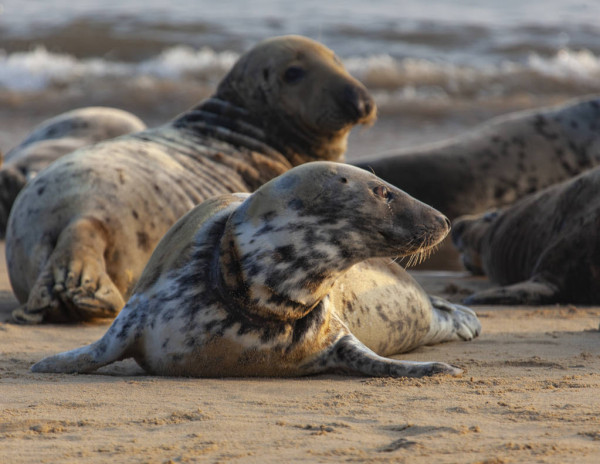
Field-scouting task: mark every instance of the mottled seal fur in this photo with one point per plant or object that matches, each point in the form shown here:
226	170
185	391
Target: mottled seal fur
82	231
543	249
54	138
499	162
271	284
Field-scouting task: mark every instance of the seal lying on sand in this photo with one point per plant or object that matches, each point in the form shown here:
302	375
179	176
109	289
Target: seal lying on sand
82	231
543	249
499	162
54	138
267	285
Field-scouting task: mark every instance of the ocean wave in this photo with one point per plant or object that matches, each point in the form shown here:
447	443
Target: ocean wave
408	78
39	68
418	78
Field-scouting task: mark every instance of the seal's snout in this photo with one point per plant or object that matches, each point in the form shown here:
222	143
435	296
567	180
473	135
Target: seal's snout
467	234
457	232
357	102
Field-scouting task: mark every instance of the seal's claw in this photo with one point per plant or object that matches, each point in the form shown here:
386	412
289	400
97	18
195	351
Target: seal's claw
438	368
452	322
95	295
22	316
525	293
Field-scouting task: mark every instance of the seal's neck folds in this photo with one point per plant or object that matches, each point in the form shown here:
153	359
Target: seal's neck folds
264	270
262	131
228	122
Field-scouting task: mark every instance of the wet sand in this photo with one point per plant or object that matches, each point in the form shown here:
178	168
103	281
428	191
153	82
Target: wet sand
530	393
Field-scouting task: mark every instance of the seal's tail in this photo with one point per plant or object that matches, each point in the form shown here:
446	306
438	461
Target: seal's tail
451	322
350	355
113	346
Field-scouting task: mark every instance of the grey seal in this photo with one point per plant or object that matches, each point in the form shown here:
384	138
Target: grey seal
543	249
288	281
54	138
500	161
82	231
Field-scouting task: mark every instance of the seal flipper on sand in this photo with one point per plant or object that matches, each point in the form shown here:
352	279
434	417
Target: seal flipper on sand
74	284
117	343
451	322
530	292
349	355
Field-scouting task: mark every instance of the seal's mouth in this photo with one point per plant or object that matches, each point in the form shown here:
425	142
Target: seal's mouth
418	249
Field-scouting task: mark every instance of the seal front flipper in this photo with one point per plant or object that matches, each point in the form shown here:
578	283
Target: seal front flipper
349	355
529	292
451	322
74	284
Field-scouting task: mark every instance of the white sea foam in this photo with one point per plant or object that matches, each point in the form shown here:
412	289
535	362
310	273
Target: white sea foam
409	78
39	68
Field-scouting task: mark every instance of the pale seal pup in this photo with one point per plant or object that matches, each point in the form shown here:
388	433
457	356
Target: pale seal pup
82	231
543	249
271	284
500	161
54	138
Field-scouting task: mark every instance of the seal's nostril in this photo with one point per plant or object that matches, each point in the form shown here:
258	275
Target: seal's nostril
358	101
367	105
444	220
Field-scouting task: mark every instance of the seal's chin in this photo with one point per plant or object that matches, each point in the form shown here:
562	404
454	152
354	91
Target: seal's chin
417	257
416	250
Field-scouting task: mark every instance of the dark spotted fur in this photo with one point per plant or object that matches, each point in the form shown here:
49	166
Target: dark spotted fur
229	307
499	162
543	249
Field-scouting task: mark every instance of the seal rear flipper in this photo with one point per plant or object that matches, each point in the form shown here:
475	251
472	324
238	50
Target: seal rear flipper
451	322
350	355
529	292
116	344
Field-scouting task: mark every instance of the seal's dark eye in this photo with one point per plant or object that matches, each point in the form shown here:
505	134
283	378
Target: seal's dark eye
343	180
293	74
382	192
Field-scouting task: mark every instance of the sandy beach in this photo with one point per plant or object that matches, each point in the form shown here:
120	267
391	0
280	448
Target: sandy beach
530	393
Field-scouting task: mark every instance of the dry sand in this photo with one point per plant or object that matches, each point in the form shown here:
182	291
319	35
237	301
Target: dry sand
530	393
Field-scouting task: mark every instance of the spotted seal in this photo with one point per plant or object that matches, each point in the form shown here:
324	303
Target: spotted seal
54	138
285	282
82	231
499	162
543	249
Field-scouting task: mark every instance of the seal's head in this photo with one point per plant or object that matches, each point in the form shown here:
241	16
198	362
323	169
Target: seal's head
468	233
295	235
300	91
